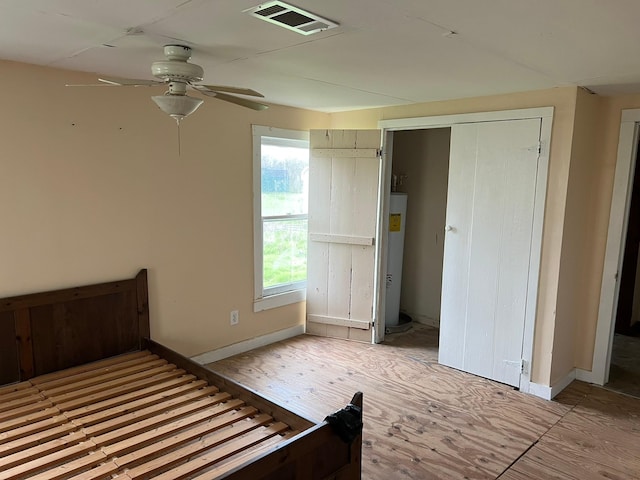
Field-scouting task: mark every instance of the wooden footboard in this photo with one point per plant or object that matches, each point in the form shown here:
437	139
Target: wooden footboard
313	454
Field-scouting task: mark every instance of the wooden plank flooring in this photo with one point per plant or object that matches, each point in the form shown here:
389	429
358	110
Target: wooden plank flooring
427	421
134	416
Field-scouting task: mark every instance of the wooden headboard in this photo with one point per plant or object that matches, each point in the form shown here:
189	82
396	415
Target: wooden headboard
48	331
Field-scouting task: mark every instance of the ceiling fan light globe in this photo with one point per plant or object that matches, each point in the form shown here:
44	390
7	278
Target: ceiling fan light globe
177	106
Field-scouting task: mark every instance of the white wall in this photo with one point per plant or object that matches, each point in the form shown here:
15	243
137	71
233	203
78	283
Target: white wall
423	156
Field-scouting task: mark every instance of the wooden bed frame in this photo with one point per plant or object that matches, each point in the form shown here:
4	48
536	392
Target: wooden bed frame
50	340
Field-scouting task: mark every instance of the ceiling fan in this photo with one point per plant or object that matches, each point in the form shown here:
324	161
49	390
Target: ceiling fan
179	75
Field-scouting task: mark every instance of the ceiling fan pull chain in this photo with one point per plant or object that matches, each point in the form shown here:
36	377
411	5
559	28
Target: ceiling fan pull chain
179	146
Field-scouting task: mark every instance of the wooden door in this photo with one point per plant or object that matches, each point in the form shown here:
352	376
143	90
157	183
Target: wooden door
344	171
491	194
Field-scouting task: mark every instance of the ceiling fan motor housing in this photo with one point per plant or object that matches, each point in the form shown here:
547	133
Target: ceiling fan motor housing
177	68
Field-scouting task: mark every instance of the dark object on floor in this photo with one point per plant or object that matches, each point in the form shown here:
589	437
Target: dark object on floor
347	422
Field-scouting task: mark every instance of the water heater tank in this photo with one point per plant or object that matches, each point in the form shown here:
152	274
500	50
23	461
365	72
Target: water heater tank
397	221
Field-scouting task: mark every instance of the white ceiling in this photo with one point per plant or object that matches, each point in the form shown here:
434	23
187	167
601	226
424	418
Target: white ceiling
385	52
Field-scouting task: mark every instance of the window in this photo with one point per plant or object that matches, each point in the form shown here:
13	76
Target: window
280	181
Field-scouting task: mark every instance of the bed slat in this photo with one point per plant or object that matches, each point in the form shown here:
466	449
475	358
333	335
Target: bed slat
117	386
215	455
100	472
110	374
185	391
48	462
58	429
10	404
244	456
225	437
28	419
40	450
74	466
68	375
175	433
38	404
119	392
15	388
160	420
162	412
122	399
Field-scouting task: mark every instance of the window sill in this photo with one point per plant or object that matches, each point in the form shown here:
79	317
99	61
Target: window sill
279	300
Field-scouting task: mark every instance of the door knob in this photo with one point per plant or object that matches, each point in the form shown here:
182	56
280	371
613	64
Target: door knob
448	228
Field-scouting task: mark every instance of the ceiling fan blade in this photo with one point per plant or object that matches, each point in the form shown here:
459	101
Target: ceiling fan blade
237	100
237	90
129	82
91	85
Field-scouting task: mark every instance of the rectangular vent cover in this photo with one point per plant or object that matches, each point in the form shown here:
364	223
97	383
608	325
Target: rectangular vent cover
290	17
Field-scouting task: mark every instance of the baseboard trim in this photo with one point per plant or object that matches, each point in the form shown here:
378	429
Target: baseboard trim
542	391
588	376
245	346
424	320
547	392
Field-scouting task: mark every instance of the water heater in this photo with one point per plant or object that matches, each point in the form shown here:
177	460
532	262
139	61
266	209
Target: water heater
397	221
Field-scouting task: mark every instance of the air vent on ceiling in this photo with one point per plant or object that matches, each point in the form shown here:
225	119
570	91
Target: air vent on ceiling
291	18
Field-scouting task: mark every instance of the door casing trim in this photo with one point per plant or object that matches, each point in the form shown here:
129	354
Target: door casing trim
614	253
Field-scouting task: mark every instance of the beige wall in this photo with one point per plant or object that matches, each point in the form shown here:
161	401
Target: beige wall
582	245
423	156
564	102
92	188
610	112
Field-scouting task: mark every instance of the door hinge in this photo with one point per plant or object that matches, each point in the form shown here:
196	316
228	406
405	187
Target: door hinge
379	152
522	365
539	147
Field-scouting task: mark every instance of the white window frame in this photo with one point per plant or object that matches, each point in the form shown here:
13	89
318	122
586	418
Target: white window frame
291	293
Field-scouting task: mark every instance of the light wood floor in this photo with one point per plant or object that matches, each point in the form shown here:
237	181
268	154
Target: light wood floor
426	421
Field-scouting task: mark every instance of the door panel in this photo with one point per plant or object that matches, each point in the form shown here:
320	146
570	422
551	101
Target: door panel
492	180
343	199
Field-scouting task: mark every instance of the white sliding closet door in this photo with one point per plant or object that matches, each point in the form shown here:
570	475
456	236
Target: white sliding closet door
491	196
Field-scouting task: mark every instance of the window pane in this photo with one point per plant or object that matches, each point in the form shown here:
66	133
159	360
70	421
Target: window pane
284	251
284	178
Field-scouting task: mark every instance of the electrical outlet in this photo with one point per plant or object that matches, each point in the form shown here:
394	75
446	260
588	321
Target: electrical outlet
234	317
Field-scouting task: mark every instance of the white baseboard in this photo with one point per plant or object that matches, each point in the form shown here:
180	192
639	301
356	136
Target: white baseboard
542	391
563	383
241	347
547	392
589	377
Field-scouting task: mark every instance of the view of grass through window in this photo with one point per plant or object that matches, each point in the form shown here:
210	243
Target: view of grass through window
284	182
